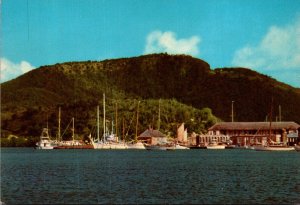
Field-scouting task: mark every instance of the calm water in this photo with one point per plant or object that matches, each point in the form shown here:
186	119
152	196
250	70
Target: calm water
145	177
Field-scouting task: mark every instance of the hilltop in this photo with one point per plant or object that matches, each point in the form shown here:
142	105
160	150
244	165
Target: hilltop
186	83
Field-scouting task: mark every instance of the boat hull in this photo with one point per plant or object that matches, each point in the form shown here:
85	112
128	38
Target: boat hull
74	147
110	146
44	147
297	148
155	147
137	145
177	147
215	147
274	148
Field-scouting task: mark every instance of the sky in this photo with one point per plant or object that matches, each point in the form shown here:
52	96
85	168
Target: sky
263	35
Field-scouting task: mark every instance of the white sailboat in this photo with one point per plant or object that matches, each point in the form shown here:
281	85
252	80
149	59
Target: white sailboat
136	144
108	140
181	138
73	144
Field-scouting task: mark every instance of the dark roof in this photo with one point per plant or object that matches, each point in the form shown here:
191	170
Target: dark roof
152	133
254	126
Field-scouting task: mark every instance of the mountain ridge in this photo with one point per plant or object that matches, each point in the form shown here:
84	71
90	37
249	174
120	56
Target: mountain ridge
185	79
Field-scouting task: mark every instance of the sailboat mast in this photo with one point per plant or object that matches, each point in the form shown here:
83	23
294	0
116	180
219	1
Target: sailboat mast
98	123
59	124
279	113
73	129
117	121
123	130
137	122
104	123
271	119
158	126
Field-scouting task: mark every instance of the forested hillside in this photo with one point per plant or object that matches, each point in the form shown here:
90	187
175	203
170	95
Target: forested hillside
190	92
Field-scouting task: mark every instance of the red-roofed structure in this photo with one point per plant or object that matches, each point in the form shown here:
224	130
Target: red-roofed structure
245	133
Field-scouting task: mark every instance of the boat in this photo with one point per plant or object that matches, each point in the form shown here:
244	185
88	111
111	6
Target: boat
270	145
176	146
137	145
73	144
273	148
156	147
180	140
297	148
214	145
45	141
108	141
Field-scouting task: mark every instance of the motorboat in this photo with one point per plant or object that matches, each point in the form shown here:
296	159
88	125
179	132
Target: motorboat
214	145
45	141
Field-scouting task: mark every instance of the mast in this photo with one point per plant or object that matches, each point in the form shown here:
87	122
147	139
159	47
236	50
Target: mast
279	113
73	128
158	126
123	130
98	124
47	122
137	122
104	123
59	124
271	119
232	111
117	121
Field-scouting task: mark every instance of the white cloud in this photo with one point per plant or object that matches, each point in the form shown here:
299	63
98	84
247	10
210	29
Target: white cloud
158	42
10	70
278	50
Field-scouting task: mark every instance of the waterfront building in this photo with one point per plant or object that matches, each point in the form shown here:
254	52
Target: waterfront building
152	137
248	133
202	140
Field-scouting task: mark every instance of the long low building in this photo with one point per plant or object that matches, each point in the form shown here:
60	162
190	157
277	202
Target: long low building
246	133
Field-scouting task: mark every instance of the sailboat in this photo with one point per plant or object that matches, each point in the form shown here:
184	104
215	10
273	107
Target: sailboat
136	144
271	145
108	141
162	145
73	144
181	140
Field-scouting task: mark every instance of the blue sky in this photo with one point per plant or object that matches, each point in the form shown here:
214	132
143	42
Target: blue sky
261	35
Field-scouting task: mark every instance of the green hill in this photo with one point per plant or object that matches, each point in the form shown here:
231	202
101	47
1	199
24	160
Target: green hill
186	85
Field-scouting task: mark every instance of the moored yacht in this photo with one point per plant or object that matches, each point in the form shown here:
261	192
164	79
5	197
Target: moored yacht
273	148
45	141
214	145
108	141
156	147
137	145
177	147
73	144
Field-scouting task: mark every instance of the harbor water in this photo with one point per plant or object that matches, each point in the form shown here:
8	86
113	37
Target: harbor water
30	176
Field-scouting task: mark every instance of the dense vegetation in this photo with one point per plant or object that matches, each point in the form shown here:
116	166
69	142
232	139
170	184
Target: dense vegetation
186	86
